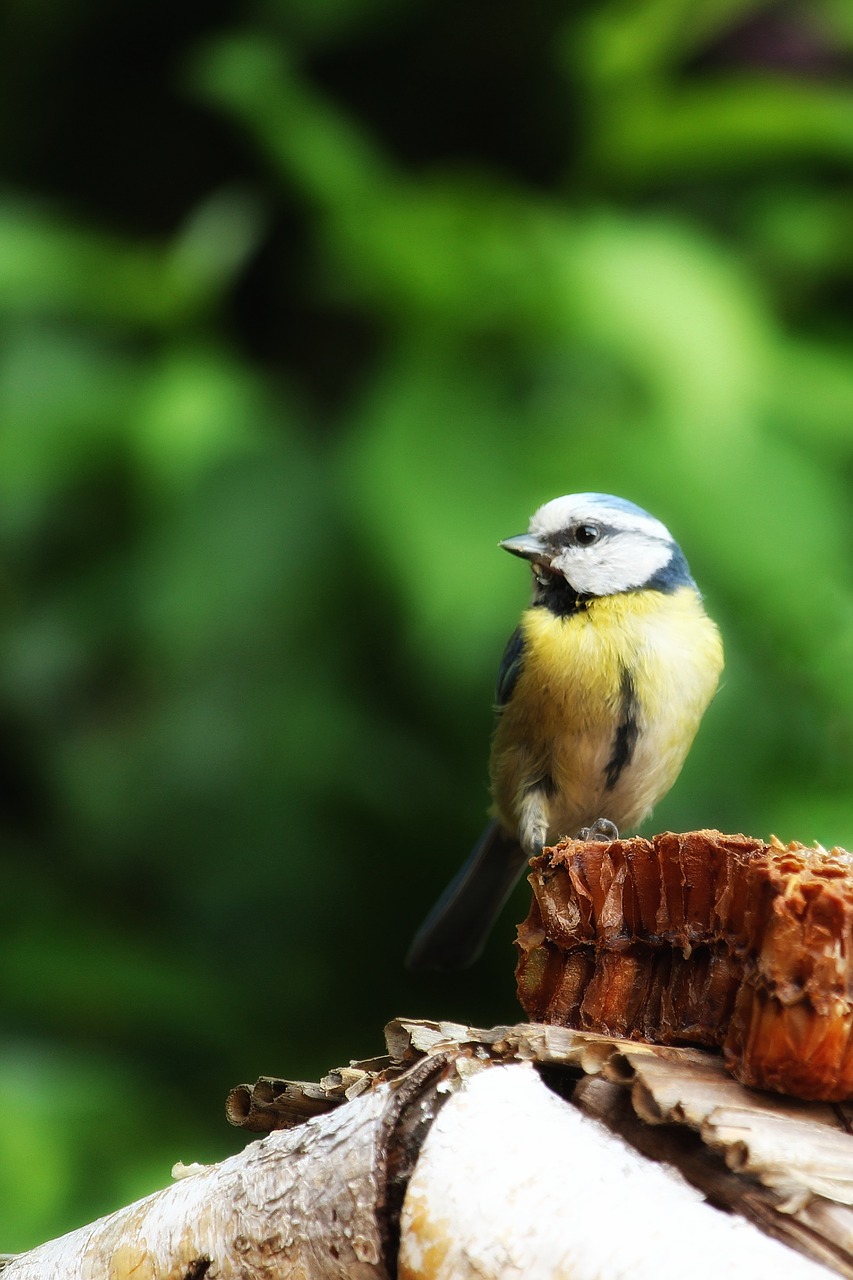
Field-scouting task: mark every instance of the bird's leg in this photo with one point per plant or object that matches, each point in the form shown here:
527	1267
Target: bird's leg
533	822
602	829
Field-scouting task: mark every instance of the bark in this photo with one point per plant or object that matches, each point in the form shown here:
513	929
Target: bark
313	1202
256	1214
530	1150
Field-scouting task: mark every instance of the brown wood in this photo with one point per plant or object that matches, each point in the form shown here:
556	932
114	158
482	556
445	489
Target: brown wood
700	938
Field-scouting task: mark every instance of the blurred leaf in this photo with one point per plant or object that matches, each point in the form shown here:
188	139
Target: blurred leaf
812	398
255	81
50	268
214	245
199	409
621	42
81	1113
62	396
724	126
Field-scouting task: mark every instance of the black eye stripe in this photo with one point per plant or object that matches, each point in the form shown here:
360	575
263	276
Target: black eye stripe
567	537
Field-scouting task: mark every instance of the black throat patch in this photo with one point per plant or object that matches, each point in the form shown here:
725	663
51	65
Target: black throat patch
556	595
626	733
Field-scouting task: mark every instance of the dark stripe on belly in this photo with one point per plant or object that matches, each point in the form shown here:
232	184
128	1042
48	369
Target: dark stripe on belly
626	734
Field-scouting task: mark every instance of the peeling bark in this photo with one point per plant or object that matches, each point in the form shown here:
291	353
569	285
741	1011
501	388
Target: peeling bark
298	1203
465	1152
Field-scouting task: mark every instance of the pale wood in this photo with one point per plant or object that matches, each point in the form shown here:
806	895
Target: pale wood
785	1164
301	1203
799	1148
323	1199
515	1183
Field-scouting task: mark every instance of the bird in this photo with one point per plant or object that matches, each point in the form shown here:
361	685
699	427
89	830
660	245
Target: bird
600	694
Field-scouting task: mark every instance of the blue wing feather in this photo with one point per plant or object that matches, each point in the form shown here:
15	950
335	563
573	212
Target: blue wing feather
510	668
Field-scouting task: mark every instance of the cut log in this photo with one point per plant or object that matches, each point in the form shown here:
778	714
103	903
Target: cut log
513	1182
700	938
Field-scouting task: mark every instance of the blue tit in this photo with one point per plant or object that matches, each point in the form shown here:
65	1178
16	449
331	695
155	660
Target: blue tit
600	693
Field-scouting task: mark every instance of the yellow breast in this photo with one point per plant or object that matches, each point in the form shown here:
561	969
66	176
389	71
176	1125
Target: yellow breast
629	677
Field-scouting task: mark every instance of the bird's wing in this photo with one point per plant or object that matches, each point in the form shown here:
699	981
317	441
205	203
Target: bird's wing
510	668
455	931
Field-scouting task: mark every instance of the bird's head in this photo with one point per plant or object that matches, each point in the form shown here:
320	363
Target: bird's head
585	545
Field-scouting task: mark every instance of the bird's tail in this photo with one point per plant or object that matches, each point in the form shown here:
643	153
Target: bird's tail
455	931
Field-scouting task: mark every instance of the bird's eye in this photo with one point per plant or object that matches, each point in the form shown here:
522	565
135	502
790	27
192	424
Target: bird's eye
586	534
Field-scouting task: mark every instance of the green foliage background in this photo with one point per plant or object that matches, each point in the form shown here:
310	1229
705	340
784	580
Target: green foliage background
304	304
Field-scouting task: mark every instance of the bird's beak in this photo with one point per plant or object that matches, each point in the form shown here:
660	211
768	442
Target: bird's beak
529	547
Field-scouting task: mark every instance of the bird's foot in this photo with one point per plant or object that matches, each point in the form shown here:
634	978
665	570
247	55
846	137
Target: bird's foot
601	829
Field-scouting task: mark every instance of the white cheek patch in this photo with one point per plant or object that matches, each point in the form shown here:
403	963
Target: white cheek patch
615	564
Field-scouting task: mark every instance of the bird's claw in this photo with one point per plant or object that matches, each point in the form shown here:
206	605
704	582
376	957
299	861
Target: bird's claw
602	829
